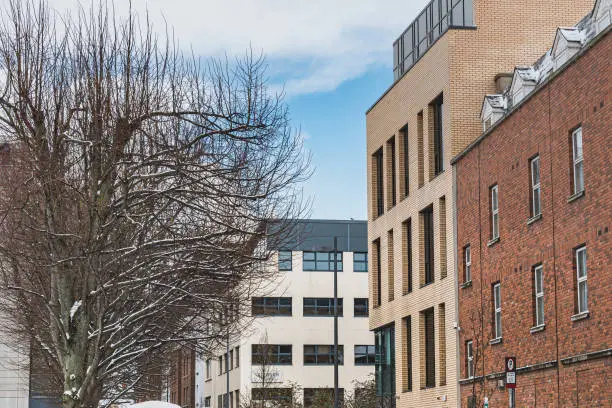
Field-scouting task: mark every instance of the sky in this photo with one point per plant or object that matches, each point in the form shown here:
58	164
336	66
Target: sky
332	57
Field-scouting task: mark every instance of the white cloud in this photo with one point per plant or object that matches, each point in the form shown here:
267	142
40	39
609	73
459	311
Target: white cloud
315	45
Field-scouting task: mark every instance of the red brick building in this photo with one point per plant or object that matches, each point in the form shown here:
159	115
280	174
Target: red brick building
182	378
534	214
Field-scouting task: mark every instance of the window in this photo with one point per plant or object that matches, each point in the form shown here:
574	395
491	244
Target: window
360	307
442	343
321	307
407	386
428	245
208	364
220	365
437	109
467	263
378	190
321	397
469	359
442	235
538	289
231	359
207	401
577	167
271	306
322	354
385	361
237	394
534	165
271	354
494	213
378	281
360	261
365	355
220	401
421	150
391	174
321	261
231	399
407	252
430	350
581	279
405	161
284	260
497	329
271	394
237	356
390	267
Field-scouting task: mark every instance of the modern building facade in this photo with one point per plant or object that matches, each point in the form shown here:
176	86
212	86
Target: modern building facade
14	376
533	218
444	63
291	338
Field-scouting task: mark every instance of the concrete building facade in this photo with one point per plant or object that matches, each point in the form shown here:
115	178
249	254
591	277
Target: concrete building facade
445	61
533	220
291	337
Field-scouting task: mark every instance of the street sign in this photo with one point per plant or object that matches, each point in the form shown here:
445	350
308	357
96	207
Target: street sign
510	372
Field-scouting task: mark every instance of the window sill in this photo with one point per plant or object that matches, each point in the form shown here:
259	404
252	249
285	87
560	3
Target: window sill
575	197
534	219
537	329
466	285
425	285
580	316
493	242
495	341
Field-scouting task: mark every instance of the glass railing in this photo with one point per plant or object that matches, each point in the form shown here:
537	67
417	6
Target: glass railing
437	17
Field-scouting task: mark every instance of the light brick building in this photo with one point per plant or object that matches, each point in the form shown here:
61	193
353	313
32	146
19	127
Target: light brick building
533	220
445	62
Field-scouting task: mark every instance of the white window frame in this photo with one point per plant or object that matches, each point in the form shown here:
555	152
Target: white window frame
495	212
467	255
469	354
581	279
539	294
498	309
577	160
535	187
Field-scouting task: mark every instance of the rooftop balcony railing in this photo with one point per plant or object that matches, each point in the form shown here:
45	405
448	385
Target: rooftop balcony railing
436	19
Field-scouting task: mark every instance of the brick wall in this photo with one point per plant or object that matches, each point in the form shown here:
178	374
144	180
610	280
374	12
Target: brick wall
579	96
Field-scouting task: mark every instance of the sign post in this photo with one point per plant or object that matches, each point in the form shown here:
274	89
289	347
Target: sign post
510	368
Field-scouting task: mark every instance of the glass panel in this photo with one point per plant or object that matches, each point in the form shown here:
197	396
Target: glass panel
540	310
535	171
581	262
309	265
309	256
497	297
578	144
468	13
457	13
582	297
578	177
538	280
536	202
498	327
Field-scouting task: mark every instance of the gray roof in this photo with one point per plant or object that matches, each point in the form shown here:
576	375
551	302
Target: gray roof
318	235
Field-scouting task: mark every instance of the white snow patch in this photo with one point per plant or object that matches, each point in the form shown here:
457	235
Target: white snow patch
72	377
74	308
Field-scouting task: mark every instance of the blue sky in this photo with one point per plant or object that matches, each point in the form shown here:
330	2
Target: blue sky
332	57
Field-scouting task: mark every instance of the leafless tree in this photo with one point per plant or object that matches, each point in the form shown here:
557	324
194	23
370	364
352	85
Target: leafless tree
135	199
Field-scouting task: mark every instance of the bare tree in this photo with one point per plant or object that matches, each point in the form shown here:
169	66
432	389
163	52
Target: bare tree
136	197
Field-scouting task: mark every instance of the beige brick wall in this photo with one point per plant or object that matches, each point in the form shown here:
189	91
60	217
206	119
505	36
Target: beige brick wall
461	65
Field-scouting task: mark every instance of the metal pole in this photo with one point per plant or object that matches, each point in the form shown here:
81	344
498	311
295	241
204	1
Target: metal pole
511	398
336	396
227	365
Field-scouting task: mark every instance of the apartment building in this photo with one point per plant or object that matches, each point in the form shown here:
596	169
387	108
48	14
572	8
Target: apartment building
444	62
291	337
533	222
14	376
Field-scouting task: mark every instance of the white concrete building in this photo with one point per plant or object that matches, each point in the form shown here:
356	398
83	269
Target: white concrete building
14	373
294	323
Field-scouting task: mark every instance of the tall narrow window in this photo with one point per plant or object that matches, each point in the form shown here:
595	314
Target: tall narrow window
390	267
407	377
407	256
378	190
535	186
442	235
438	135
378	282
404	162
581	279
442	342
469	359
391	174
467	263
421	150
538	289
494	212
577	168
497	332
284	260
427	245
428	359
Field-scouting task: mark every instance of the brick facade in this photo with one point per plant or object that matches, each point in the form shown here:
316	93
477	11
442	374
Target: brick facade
460	66
567	362
182	378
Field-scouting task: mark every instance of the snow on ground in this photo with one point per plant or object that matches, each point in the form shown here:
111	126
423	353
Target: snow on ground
153	404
